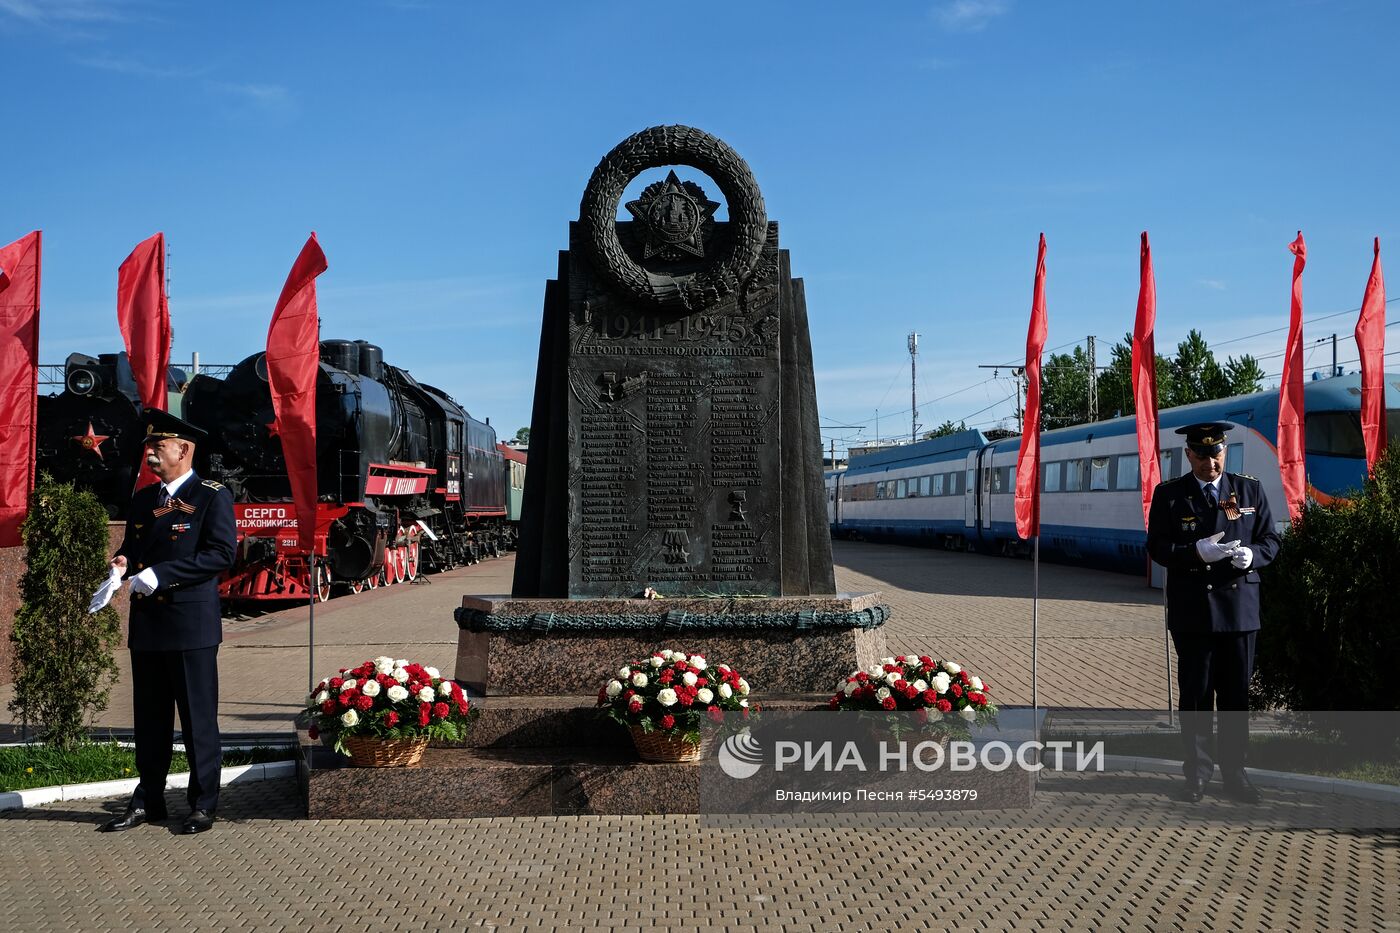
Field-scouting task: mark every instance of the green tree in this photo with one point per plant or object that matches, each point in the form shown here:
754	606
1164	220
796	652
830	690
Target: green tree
522	437
63	667
945	429
1116	381
1244	375
1064	389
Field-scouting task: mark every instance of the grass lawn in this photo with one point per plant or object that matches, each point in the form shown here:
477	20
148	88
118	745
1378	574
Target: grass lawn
1299	754
27	766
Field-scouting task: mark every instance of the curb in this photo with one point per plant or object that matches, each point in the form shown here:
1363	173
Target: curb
1315	783
240	774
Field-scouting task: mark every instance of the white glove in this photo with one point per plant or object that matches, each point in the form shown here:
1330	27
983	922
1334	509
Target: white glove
1211	550
144	582
1242	558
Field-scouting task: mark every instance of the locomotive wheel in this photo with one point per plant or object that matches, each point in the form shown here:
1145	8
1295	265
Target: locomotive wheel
323	584
357	586
374	579
389	574
400	564
413	560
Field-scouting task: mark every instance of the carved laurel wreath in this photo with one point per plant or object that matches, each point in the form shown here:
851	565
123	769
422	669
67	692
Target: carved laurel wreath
674	145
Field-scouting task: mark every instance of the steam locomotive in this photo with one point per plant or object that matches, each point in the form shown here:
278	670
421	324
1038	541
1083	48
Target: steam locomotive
408	481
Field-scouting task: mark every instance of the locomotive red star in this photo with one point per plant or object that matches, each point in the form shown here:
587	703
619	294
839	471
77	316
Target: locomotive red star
91	441
674	214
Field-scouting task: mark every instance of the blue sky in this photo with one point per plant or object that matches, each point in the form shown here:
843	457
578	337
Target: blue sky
910	151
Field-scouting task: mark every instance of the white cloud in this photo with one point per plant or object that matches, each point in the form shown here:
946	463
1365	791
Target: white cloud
969	15
64	11
1215	284
129	66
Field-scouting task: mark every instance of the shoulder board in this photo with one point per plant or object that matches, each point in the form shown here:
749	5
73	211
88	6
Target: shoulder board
211	484
1247	476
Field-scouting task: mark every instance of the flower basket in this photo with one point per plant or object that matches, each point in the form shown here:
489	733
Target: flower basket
945	700
370	752
664	700
661	746
383	713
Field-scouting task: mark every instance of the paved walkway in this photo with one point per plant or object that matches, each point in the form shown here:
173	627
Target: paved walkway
1122	857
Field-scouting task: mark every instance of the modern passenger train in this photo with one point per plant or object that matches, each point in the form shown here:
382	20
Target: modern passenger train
958	491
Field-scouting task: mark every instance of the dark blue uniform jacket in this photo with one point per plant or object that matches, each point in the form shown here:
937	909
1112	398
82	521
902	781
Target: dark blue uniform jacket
188	547
1212	597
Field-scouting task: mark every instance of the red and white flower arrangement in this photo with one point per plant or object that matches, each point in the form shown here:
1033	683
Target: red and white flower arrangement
388	699
935	691
671	692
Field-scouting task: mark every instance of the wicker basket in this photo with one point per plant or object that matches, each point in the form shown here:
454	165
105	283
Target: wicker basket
658	746
366	751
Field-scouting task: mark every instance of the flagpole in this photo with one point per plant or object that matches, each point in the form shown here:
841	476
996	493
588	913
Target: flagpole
311	625
1167	651
1035	632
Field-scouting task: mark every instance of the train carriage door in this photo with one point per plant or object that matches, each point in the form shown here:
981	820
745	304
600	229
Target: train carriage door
969	491
836	494
984	487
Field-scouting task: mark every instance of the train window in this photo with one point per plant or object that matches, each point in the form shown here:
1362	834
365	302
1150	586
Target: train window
938	484
968	480
996	480
1169	459
925	485
1334	433
1052	476
1128	472
880	489
1074	475
901	490
1234	458
1098	473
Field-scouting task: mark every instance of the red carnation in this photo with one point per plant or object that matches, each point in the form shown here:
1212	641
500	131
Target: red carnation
887	702
364	704
425	713
930	696
702	682
899	658
668	721
391	719
944	706
962	676
665	678
834	704
635	705
628	694
892	669
602	696
336	682
956	690
716	714
347	698
440	710
921	715
462	704
862	676
329	707
313	733
684	699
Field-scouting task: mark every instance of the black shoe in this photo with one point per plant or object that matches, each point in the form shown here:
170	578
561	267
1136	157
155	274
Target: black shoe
197	822
131	818
1193	792
1242	791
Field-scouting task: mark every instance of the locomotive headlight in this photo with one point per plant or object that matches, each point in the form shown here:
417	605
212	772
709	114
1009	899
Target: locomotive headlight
81	381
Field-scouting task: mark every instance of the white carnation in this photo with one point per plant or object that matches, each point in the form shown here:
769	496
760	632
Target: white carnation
679	656
744	703
384	664
697	661
614	687
349	717
348	685
667	697
689	679
743	687
705	695
432	672
325	682
725	691
951	668
639	679
426	695
934	716
722	668
875	671
399	674
397	694
657	661
666	654
969	714
893	677
883	693
322	697
848	689
371	688
401	662
921	685
941	682
884	661
624	673
445	688
977	683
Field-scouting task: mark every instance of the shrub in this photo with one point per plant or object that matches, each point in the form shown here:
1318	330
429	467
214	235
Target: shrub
1330	610
63	667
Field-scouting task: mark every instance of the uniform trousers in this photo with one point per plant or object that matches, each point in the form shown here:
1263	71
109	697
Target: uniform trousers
1213	672
163	682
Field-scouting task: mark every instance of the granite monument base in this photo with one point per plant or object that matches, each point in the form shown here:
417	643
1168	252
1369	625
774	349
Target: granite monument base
798	644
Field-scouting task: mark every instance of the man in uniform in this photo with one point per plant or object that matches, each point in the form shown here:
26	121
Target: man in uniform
179	538
1212	530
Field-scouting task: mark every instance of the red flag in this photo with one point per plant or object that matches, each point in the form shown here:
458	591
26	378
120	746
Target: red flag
293	354
19	380
143	314
1370	340
1028	460
1145	380
1290	393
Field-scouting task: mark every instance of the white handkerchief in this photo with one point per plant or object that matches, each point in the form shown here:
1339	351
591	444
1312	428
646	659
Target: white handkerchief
104	593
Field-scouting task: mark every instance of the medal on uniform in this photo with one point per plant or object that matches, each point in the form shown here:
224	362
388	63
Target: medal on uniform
1231	507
